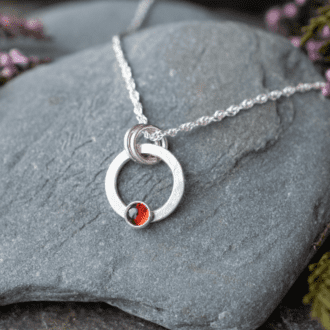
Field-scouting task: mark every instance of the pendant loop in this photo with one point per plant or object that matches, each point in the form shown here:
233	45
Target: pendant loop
131	212
133	149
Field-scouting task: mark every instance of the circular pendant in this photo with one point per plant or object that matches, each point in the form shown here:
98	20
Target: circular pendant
138	214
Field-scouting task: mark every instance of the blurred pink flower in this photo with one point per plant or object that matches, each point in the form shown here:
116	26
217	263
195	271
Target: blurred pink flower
313	45
18	58
34	28
300	2
11	24
6	21
272	18
9	71
5	60
326	89
290	10
326	32
327	75
295	41
34	24
314	56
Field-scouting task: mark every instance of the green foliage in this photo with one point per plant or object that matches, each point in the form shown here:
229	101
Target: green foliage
316	24
325	51
319	280
319	291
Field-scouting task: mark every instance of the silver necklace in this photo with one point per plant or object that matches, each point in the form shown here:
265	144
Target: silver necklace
138	214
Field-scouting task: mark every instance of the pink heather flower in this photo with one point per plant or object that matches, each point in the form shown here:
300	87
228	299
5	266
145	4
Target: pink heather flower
34	28
326	32
18	57
326	89
327	75
290	10
9	71
314	56
300	2
313	45
6	21
11	24
272	18
295	41
5	60
34	24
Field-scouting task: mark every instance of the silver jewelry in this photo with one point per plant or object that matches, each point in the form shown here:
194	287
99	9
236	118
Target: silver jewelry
138	214
142	220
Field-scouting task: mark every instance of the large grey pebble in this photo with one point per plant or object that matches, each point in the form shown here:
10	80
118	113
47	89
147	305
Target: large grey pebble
257	184
78	25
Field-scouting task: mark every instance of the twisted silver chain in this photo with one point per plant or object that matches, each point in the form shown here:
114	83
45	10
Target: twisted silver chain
140	15
233	110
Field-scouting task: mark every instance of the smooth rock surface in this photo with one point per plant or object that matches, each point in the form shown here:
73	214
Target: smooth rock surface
257	184
78	25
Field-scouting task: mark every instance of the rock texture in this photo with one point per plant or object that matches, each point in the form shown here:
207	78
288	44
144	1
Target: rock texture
71	316
257	184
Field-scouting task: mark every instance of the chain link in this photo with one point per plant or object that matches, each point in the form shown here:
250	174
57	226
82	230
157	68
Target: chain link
130	84
202	121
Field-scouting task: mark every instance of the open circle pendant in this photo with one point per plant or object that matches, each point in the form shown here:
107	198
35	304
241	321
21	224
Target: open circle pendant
138	214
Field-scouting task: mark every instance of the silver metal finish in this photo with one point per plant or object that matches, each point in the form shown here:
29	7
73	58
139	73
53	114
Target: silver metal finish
140	15
130	84
178	181
234	109
133	149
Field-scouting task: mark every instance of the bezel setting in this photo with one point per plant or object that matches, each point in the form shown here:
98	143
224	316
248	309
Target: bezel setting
138	205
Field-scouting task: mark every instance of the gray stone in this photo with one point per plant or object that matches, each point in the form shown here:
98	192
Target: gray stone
75	26
80	25
257	184
71	315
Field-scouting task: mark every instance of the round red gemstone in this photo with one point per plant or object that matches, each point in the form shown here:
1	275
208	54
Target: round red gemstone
138	214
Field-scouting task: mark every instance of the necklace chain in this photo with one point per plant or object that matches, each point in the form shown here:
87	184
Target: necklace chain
139	17
233	110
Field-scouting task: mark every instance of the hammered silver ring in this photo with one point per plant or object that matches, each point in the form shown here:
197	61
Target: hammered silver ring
133	149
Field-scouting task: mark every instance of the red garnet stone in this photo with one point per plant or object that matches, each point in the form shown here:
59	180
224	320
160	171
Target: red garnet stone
138	214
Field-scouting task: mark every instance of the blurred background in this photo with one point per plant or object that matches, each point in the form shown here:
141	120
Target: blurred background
249	6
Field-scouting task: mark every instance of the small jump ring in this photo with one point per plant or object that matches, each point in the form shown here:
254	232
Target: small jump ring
133	149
